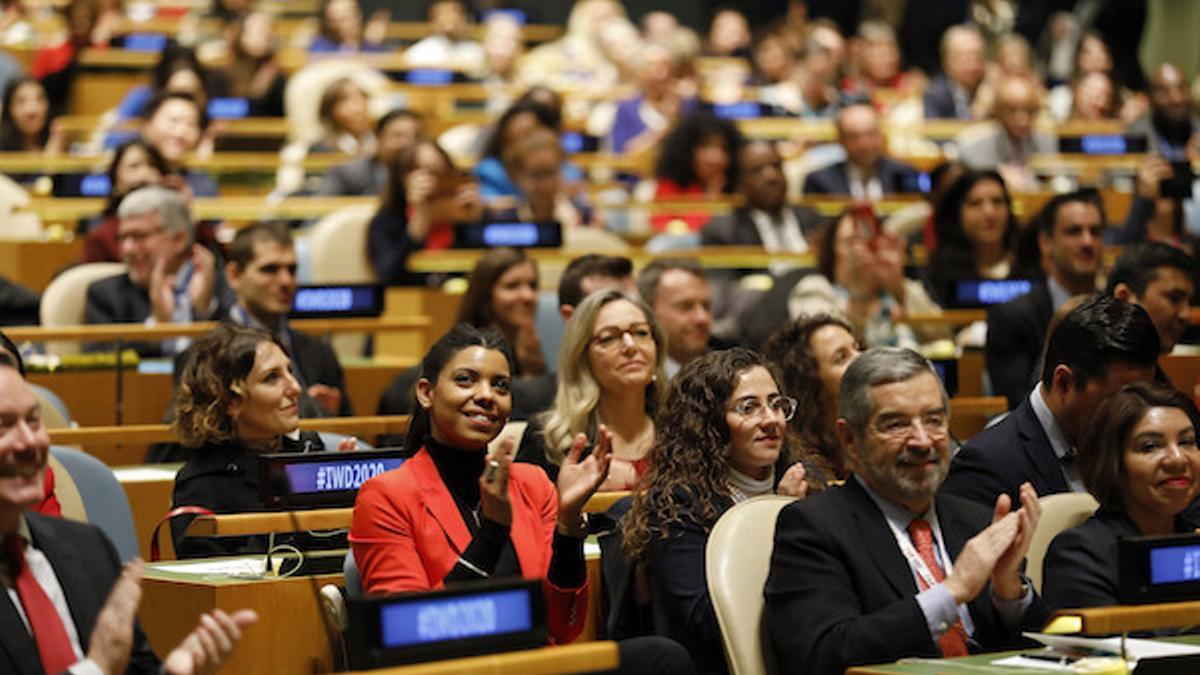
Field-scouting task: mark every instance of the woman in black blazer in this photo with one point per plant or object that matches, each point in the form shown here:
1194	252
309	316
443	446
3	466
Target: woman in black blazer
718	437
1140	460
237	398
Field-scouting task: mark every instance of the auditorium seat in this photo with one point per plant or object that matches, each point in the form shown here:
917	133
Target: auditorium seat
737	560
1059	512
65	297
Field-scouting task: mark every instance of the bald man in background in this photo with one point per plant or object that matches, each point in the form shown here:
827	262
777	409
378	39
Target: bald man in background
1012	141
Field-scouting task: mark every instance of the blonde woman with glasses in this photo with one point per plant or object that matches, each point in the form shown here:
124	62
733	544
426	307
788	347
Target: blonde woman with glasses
610	372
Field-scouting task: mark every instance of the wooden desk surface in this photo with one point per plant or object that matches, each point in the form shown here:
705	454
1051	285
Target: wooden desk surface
289	637
584	657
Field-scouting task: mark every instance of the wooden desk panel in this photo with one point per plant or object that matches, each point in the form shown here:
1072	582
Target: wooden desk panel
575	658
91	395
148	488
34	263
289	637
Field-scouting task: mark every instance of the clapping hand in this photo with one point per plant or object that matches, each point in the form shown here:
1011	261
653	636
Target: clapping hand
578	479
493	484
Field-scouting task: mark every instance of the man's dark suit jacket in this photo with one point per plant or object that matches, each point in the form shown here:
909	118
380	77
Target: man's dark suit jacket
999	459
738	228
316	363
835	180
117	299
939	100
840	592
1015	335
87	567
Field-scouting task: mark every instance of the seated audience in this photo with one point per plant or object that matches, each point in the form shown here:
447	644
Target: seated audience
639	123
345	120
1172	121
1094	97
520	119
25	123
261	270
455	512
1012	142
1158	215
395	132
169	277
866	174
719	439
342	30
134	164
677	291
447	46
177	71
610	375
502	294
1091	57
976	233
237	398
728	34
172	124
862	278
765	218
1161	280
698	159
878	63
253	71
854	578
534	164
88	23
1098	347
1139	459
773	57
92	626
953	93
810	354
811	90
1070	232
425	196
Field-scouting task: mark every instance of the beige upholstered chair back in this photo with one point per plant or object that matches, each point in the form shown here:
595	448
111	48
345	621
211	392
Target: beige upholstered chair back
737	559
339	255
1059	512
64	299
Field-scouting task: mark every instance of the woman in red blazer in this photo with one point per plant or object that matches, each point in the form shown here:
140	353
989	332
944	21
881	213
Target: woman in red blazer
454	512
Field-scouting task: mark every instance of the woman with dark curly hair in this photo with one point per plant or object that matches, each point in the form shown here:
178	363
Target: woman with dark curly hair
976	232
237	398
698	159
1139	458
810	354
719	436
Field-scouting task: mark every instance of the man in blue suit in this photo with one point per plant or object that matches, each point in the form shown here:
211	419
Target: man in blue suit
1100	346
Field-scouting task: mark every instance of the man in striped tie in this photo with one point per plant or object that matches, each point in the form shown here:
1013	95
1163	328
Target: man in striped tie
883	567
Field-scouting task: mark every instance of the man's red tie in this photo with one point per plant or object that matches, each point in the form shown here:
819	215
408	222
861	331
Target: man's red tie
54	647
954	641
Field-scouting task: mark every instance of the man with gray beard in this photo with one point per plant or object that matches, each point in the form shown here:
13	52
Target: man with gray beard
882	567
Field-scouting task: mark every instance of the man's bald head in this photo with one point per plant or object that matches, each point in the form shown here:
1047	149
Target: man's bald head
1169	93
1017	106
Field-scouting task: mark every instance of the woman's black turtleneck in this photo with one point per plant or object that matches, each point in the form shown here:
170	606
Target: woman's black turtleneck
491	550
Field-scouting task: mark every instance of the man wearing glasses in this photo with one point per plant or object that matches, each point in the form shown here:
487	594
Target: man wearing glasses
879	568
169	278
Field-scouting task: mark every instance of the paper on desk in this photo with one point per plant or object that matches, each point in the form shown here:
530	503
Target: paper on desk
1134	648
130	474
249	566
1019	661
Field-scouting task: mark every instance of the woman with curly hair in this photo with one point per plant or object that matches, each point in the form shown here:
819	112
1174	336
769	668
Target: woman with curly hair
610	366
720	435
237	398
810	354
698	159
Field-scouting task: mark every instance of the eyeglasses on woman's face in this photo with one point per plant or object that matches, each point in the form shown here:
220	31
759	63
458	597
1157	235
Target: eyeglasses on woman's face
610	338
755	407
